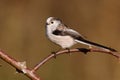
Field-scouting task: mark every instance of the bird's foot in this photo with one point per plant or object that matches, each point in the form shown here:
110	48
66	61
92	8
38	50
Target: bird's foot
68	51
54	54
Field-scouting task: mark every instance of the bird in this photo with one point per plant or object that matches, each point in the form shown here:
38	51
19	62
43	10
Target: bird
66	37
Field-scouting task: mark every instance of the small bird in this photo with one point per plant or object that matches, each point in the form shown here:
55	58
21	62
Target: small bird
66	37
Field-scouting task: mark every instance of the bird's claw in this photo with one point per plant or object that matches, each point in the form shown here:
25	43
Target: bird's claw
68	51
54	54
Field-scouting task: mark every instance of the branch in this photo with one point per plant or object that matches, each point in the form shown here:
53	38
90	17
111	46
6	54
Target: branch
20	66
84	50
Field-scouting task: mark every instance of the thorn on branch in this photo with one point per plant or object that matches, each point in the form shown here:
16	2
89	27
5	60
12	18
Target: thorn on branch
18	71
23	66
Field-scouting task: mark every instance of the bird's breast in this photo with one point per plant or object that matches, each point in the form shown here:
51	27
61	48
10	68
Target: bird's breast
63	41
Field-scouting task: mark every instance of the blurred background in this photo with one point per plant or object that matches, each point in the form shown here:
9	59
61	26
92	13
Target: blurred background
22	36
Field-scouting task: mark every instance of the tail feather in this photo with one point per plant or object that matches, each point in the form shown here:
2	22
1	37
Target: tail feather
94	44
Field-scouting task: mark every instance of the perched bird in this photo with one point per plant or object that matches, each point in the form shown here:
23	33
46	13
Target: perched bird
66	37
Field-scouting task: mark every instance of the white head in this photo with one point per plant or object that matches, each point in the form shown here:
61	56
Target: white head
52	23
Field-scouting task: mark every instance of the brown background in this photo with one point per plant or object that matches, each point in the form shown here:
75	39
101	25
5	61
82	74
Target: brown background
22	35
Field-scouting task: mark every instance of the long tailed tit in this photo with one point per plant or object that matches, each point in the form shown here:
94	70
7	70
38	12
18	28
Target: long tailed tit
60	34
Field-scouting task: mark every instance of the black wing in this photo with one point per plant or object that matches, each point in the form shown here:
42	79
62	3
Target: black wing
77	36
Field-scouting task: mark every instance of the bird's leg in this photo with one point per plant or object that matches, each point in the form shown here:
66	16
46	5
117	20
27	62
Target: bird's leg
68	50
90	47
60	50
55	53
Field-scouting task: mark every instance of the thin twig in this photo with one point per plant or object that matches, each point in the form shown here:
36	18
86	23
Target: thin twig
84	50
50	56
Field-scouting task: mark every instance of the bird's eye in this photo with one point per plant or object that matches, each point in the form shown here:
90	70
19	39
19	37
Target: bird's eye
52	22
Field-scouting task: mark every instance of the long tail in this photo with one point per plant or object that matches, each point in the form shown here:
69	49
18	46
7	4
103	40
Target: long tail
84	41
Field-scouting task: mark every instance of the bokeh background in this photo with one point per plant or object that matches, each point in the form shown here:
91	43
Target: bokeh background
22	36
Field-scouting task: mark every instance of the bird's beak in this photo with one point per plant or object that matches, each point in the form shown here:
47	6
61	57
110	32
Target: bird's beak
46	23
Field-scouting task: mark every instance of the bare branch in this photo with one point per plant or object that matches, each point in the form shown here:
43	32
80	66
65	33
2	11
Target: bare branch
84	50
20	66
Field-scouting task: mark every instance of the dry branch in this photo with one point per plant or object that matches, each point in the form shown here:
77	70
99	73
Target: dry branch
84	50
22	68
19	66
